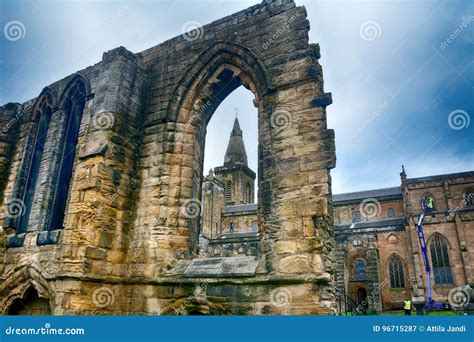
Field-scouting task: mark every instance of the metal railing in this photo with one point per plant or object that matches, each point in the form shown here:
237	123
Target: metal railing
346	304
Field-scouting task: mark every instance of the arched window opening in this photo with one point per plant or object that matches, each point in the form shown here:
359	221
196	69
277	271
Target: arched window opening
428	202
249	193
360	270
357	216
390	212
228	191
232	153
30	304
74	107
254	226
469	198
32	166
440	261
395	267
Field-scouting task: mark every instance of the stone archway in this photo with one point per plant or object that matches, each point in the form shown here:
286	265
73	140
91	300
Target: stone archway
29	304
219	71
26	292
188	79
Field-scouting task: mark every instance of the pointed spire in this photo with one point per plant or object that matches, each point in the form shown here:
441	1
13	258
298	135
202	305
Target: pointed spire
403	174
236	129
235	153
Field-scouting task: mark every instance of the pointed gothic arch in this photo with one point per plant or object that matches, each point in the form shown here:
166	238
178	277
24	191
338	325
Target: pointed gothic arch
72	104
205	71
440	259
215	74
25	186
396	271
25	291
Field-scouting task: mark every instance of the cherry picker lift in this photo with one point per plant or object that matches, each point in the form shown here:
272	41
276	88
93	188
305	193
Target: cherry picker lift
427	206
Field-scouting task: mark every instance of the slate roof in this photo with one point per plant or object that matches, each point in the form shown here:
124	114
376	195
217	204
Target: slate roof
388	193
441	177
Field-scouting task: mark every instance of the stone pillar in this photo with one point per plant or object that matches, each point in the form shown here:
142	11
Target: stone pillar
10	119
49	164
460	233
340	257
297	151
97	222
375	284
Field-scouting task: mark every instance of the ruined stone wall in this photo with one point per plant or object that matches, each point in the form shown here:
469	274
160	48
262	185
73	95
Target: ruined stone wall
128	234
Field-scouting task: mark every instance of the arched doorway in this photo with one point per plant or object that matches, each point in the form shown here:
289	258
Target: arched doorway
362	297
30	304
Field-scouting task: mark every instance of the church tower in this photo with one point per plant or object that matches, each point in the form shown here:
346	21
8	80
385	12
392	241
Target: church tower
213	204
237	177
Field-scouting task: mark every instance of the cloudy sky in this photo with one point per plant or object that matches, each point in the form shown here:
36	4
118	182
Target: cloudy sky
401	73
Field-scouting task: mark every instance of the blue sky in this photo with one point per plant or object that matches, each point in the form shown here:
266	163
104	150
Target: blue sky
401	73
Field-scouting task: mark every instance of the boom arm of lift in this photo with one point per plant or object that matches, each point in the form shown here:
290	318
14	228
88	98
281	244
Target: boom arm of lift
421	238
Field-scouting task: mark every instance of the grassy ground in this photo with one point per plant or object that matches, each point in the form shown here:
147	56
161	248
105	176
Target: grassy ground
430	313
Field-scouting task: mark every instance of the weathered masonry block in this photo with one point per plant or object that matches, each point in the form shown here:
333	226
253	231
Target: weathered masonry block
104	164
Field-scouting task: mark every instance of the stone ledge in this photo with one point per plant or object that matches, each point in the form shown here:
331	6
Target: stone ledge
240	266
324	101
94	151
